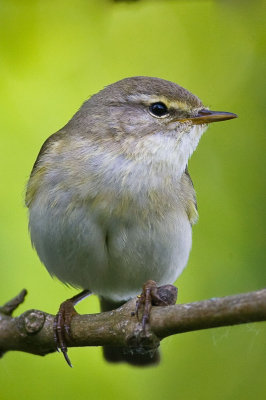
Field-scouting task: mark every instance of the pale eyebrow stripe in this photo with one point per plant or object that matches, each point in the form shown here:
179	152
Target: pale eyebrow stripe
147	100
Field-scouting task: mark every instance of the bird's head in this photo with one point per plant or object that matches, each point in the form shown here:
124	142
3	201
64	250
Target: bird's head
144	114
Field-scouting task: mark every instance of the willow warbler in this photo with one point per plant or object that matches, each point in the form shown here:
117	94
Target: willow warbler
111	203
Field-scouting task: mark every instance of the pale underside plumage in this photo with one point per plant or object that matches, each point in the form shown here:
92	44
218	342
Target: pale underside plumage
90	235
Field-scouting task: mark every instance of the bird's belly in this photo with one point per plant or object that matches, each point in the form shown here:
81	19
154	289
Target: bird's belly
112	259
138	253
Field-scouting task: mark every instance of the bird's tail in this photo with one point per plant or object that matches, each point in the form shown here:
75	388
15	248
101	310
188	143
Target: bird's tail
123	354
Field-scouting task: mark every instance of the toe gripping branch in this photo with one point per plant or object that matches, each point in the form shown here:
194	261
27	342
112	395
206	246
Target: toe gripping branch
153	295
62	322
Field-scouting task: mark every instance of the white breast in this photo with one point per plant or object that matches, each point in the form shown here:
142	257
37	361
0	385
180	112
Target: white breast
113	259
107	245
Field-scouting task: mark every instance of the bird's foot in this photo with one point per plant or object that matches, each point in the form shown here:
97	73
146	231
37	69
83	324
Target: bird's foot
153	295
62	323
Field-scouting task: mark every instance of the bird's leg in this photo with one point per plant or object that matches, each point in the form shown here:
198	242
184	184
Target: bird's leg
62	322
153	295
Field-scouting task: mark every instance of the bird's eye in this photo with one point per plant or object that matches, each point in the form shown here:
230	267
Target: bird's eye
158	109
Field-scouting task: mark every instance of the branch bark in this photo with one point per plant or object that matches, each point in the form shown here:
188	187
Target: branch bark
32	331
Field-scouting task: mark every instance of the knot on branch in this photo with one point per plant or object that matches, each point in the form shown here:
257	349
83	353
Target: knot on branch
31	321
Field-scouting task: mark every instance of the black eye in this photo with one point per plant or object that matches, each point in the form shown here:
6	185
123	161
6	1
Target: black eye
158	109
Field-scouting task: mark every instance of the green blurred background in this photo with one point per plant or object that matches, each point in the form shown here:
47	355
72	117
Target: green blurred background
53	56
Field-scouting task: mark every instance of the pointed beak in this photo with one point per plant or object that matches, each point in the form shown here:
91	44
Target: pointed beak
205	116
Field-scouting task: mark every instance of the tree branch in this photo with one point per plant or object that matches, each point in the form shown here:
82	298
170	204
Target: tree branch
32	331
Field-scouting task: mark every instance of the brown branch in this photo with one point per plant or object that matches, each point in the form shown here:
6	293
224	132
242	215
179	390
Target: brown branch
32	331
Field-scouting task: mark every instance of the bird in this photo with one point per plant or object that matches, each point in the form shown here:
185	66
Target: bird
110	199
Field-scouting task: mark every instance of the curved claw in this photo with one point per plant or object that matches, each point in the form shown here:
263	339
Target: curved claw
62	331
67	358
62	323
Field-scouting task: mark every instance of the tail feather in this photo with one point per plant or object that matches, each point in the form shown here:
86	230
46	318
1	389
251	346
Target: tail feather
122	354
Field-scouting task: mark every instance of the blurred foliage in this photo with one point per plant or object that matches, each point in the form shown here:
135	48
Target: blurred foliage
53	56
